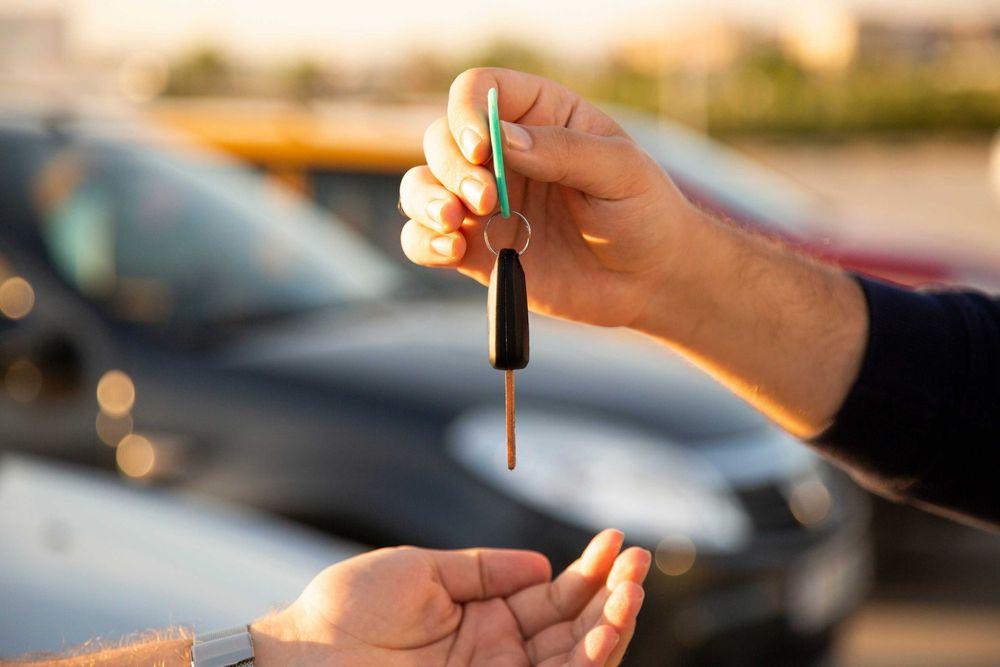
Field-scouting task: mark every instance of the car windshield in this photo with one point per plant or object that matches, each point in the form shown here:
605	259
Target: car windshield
176	240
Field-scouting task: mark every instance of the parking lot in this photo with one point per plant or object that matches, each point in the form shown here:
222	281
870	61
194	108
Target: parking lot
220	371
935	194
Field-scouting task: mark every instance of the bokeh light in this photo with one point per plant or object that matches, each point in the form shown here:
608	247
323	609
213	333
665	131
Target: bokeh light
820	35
115	393
142	76
17	297
810	502
675	555
135	456
23	381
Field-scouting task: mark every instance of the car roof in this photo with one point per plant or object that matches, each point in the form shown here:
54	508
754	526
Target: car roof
344	135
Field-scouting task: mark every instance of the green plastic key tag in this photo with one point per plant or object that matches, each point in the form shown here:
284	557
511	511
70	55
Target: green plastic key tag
497	141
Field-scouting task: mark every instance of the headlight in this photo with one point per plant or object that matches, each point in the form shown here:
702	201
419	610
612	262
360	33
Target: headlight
596	474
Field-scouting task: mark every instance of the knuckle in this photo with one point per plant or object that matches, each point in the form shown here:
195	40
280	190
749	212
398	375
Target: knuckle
564	143
401	549
470	78
577	629
643	167
412	173
438	611
486	582
410	254
409	180
554	593
408	239
433	134
628	148
631	167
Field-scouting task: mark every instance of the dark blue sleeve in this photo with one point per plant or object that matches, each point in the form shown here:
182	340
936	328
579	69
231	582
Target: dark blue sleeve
922	421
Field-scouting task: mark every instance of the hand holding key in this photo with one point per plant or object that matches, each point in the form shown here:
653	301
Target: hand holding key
604	215
614	243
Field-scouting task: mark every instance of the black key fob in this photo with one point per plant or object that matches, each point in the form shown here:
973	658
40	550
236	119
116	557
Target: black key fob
507	313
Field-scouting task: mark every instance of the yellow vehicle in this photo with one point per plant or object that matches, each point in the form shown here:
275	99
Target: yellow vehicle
292	138
346	156
349	157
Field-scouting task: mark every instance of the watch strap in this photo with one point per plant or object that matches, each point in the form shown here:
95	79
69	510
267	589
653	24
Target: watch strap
223	648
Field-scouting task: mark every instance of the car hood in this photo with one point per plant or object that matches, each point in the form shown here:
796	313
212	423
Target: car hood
84	556
433	354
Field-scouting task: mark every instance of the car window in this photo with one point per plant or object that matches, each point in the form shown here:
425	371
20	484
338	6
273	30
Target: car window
365	201
163	238
722	179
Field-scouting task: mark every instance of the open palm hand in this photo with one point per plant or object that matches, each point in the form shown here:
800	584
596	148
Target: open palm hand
409	606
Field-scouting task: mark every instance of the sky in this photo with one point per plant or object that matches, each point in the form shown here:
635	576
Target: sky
366	30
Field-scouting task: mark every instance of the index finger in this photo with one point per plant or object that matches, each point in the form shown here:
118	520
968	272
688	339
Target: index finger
467	120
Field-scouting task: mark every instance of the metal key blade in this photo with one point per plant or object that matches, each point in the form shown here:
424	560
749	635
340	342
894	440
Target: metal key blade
509	401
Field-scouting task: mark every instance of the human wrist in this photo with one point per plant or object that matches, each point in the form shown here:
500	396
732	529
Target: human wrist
276	640
684	276
756	315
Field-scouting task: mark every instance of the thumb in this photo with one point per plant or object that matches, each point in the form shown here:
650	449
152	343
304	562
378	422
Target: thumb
600	166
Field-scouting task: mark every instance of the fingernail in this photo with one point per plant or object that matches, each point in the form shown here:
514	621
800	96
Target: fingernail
472	191
516	136
434	209
443	245
469	140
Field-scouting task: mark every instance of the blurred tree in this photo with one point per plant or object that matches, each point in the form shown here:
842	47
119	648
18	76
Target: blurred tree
760	89
204	70
306	80
512	54
423	72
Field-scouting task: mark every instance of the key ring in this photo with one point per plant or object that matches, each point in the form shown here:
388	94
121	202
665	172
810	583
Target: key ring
493	112
486	232
496	141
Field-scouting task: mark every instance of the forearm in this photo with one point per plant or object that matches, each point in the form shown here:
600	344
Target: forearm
274	639
785	332
164	649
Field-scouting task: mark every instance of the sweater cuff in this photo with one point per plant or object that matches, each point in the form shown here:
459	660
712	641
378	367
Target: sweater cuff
907	379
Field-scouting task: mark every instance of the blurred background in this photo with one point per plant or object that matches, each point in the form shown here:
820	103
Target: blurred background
219	373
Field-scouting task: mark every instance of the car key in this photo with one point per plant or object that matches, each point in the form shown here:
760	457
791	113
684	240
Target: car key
507	301
507	313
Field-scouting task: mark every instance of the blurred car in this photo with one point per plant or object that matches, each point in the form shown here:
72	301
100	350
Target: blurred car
83	556
349	158
179	318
